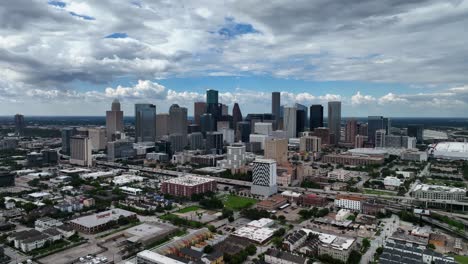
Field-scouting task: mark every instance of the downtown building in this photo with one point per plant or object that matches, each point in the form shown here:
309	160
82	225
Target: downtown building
235	157
114	121
264	177
188	185
334	121
310	144
81	151
145	123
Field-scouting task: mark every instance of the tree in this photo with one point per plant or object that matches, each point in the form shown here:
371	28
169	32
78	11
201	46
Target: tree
365	244
208	249
231	219
354	257
431	246
251	249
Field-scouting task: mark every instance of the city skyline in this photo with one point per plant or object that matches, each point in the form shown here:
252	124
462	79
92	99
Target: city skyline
72	58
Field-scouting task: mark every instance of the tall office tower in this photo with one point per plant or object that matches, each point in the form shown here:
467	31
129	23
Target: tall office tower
380	138
235	157
193	128
80	151
334	120
243	131
275	107
306	111
310	144
416	130
236	115
178	142
289	121
120	149
360	141
178	120
263	128
277	149
228	135
199	109
222	124
362	129
162	125
145	123
264	177
351	131
207	123
196	140
316	117
212	105
301	118
323	133
97	136
375	123
224	110
214	142
19	125
114	120
67	133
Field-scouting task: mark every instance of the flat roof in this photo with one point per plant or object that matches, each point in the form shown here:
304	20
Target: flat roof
336	242
438	188
101	218
189	180
150	255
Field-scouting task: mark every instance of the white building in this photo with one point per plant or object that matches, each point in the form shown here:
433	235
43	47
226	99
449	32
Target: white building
97	136
131	190
235	157
151	257
81	151
342	175
228	135
126	179
349	202
259	138
289	121
392	183
264	177
414	155
44	223
438	192
263	128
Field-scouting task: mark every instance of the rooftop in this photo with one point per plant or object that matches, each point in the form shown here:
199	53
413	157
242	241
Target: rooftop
101	218
437	188
189	180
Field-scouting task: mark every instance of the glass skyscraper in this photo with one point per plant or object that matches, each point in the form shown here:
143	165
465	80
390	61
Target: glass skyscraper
145	123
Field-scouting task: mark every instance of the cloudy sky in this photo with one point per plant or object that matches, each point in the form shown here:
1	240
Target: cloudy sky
393	58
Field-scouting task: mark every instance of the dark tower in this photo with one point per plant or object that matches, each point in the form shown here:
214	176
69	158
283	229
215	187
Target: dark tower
316	117
275	107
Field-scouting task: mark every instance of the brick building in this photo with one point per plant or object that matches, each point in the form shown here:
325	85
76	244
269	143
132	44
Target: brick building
188	185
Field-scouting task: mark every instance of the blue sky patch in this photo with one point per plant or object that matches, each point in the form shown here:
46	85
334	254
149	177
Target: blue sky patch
117	35
85	17
57	4
232	28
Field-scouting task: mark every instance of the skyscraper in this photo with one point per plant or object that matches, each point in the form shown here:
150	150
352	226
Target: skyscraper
243	131
207	123
224	110
178	120
145	123
351	131
199	109
277	149
416	130
304	116
334	120
375	123
380	138
214	142
275	107
114	120
316	117
162	125
97	136
67	133
301	118
19	125
212	105
81	151
236	115
289	121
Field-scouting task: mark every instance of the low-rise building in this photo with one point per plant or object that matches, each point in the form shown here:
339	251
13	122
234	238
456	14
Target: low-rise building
396	252
275	256
188	185
347	159
31	239
343	175
349	202
438	192
98	222
272	203
337	247
392	183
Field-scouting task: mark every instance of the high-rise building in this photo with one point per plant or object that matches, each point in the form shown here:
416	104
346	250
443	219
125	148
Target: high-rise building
290	121
263	128
275	107
375	123
199	109
97	136
145	123
301	118
178	142
212	105
416	130
120	149
228	135
362	129
236	115
162	125
67	133
114	121
235	157
277	149
207	123
196	140
80	151
304	116
334	120
310	144
214	142
243	131
316	116
351	131
360	141
380	138
264	177
323	133
178	120
224	110
19	125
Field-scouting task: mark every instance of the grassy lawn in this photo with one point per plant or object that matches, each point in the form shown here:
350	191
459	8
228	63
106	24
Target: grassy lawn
378	192
238	203
188	209
461	259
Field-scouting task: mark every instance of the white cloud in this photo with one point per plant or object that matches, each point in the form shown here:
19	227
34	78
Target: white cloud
142	90
358	99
